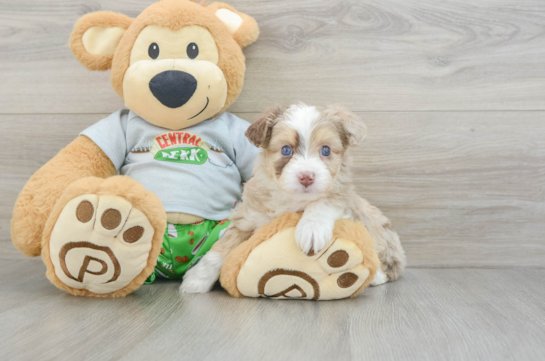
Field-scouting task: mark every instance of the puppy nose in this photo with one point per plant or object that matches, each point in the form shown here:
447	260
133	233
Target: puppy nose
173	88
306	178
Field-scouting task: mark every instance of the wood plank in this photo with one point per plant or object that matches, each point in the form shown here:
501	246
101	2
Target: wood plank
427	315
464	189
367	54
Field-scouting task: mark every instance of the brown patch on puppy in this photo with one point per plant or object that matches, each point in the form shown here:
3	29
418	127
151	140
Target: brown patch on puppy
260	132
350	127
327	134
280	164
281	136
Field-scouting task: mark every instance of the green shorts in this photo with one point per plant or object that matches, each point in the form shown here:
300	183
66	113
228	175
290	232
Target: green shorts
184	245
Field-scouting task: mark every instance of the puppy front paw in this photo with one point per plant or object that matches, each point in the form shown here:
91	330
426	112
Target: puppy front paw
196	284
202	277
313	235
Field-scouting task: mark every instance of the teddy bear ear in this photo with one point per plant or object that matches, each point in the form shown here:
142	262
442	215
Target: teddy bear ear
96	36
243	27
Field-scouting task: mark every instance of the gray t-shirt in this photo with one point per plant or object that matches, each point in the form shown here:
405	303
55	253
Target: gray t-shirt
198	170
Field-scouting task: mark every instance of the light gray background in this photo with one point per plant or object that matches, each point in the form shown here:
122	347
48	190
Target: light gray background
453	93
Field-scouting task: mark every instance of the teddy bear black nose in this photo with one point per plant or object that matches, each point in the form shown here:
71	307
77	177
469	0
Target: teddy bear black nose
173	88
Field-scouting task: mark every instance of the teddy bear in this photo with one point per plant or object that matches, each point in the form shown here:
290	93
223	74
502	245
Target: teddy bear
145	192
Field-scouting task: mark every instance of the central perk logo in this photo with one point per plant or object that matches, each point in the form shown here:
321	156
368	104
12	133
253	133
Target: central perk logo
192	155
179	147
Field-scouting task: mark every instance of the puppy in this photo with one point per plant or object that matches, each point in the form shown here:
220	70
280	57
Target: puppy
304	166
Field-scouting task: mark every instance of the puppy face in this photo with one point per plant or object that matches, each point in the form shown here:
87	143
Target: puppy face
304	147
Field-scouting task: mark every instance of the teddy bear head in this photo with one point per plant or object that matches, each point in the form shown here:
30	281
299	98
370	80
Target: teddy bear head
176	64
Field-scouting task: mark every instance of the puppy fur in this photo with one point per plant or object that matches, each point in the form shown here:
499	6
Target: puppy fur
307	180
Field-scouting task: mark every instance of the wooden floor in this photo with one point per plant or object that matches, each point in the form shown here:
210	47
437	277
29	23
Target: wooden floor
430	314
453	94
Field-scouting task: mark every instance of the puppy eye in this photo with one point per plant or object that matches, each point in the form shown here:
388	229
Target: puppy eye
326	151
192	51
286	150
153	51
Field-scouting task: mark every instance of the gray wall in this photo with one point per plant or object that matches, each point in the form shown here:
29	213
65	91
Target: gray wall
453	94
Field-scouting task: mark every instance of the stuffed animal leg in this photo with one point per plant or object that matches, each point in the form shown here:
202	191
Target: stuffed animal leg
97	236
103	237
270	264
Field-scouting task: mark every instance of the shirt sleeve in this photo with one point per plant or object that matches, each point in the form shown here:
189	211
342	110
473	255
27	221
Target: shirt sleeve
109	135
245	152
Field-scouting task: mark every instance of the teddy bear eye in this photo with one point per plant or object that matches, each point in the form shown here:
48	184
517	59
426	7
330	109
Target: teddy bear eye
286	150
153	51
192	51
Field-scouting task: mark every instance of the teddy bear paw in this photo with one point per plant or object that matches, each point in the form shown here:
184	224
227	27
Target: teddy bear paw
100	243
278	269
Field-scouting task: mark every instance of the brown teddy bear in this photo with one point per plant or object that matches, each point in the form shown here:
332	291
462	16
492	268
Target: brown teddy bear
177	66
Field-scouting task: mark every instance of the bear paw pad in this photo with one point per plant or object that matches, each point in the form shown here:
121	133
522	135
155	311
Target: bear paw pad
100	243
278	269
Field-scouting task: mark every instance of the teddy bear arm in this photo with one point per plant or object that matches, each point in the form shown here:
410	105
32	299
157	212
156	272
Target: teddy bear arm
81	158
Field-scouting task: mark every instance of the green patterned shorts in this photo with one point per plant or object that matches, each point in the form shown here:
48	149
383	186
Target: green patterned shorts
184	245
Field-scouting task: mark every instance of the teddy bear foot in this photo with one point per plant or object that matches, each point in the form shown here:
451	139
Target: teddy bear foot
101	244
336	273
276	267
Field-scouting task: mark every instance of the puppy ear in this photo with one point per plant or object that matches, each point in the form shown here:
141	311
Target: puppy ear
243	27
95	38
350	126
259	133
